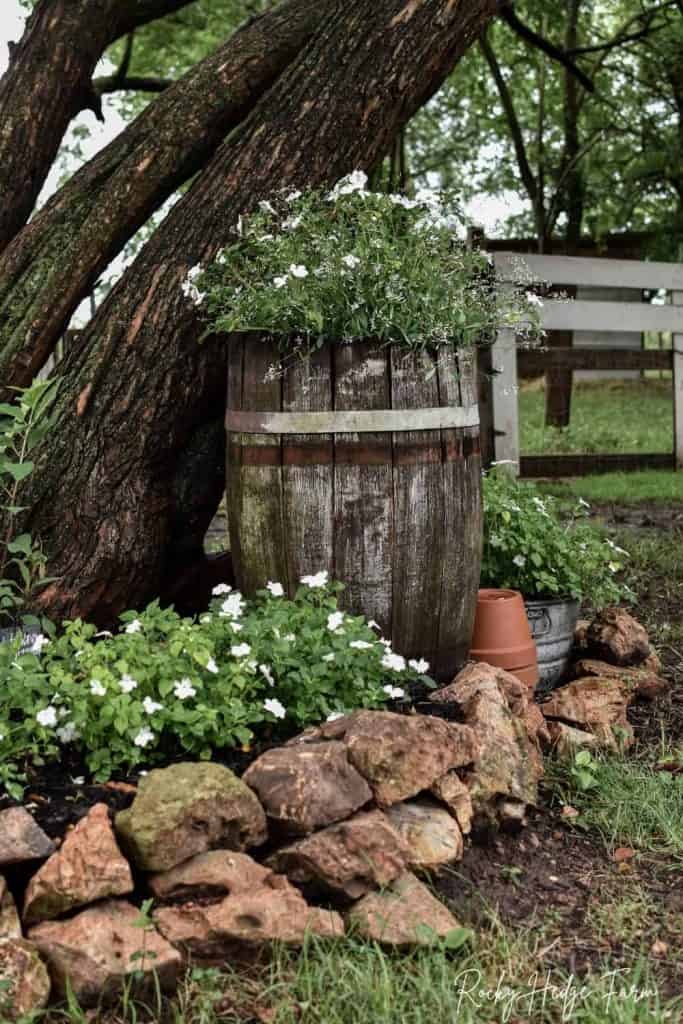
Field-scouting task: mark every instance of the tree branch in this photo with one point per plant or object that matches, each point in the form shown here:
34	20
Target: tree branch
130	83
541	43
136	13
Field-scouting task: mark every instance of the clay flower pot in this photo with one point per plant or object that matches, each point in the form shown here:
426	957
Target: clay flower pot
502	636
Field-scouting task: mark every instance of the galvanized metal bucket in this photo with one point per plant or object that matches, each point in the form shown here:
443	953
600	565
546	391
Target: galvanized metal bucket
28	633
552	627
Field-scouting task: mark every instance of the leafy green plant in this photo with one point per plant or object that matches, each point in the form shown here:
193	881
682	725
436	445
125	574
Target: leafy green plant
23	425
583	771
351	264
166	685
529	547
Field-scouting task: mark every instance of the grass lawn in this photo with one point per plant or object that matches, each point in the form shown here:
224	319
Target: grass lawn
644	486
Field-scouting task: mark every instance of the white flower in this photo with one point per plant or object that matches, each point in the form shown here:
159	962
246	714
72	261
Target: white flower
319	580
211	666
190	289
266	206
267	674
134	627
407	204
205	619
38	643
393	661
375	625
151	706
298	270
240	650
386	643
584	503
360	645
350	261
276	589
354	182
328	657
47	717
334	621
274	707
534	300
184	689
233	606
97	688
67	733
127	684
236	627
296	194
290	637
63	712
104	632
334	715
421	666
78	780
221	588
280	281
144	737
614	566
291	223
519	560
394	692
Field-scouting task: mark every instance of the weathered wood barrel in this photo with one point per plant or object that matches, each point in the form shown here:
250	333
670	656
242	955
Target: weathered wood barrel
362	460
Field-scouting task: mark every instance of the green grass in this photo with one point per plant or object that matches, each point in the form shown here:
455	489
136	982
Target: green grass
606	416
649	485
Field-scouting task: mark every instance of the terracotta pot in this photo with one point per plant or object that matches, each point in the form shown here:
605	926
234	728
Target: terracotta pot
502	636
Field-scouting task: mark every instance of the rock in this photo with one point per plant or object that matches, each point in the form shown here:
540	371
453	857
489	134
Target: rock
21	839
499	710
566	740
428	830
643	681
453	792
308	787
87	867
616	637
273	912
187	809
347	859
99	950
212	875
512	815
10	927
595	704
405	914
399	755
653	663
581	634
24	980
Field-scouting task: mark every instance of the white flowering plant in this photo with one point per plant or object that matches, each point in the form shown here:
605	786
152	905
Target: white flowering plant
165	685
531	547
350	264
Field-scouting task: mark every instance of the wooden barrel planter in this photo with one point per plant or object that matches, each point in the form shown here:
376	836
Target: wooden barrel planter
364	461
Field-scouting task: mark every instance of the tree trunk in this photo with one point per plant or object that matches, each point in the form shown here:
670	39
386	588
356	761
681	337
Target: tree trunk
138	389
47	83
54	262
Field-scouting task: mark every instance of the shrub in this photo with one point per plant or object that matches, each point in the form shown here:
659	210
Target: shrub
528	547
166	685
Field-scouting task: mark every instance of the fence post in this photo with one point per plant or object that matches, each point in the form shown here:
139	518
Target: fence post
677	386
504	396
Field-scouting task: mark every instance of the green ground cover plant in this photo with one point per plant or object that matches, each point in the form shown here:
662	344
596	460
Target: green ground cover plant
659	486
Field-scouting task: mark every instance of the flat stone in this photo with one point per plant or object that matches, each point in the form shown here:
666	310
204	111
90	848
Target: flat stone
643	681
186	809
566	740
308	787
615	636
10	927
404	914
212	875
452	791
88	866
21	839
347	859
25	982
429	831
100	950
596	704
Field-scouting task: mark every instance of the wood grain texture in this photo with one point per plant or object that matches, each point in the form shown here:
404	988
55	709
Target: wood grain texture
553	466
531	362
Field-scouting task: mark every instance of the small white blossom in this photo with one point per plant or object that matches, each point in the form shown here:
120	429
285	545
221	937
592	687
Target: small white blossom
360	645
334	715
134	627
334	621
534	300
274	707
421	666
78	780
394	692
296	194
240	650
104	632
290	637
280	281
298	270
319	580
276	589
233	606
189	287
97	688
350	261
221	588
614	567
354	182
236	627
253	665
328	657
520	561
211	666
291	223
385	643
151	706
266	206
47	717
396	662
67	733
184	689
127	684
375	625
205	619
144	738
583	503
39	642
267	674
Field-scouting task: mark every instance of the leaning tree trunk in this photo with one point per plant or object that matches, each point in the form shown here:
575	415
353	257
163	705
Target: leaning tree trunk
53	263
48	82
139	388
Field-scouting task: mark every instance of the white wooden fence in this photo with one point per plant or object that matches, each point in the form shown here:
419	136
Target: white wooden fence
586	315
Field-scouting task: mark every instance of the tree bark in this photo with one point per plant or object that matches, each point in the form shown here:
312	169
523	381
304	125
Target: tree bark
138	389
55	261
48	82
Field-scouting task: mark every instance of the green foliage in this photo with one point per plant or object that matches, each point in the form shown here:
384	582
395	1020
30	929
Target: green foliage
166	684
528	547
351	264
23	425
